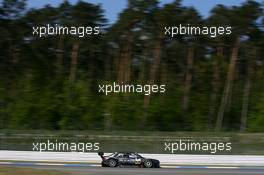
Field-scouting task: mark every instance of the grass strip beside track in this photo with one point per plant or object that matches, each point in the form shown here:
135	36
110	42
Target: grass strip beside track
143	142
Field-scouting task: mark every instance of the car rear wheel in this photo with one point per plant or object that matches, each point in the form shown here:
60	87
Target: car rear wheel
148	164
112	163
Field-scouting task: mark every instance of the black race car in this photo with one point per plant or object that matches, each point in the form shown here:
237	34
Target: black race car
120	159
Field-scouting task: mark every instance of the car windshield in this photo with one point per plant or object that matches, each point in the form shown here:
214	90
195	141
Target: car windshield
139	156
112	154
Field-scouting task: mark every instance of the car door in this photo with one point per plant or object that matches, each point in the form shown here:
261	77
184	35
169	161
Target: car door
121	159
133	159
127	159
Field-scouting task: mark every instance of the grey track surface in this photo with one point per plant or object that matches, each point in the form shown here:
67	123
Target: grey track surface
143	171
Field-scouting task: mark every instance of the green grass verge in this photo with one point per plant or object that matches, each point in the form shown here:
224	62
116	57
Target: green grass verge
143	142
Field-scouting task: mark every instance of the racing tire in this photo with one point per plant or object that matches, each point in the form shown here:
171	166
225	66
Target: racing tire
148	164
112	163
104	165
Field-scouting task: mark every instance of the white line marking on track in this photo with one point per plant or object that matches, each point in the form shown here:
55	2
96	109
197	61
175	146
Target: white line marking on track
5	163
171	167
49	164
221	167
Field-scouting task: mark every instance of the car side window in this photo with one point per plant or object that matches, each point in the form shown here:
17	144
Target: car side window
132	156
126	155
120	155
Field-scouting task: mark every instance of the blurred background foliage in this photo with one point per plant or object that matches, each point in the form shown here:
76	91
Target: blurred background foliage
212	84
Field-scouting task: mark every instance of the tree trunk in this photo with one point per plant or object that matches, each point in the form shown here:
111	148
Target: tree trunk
124	71
14	52
188	78
74	61
164	73
228	87
142	73
246	92
154	68
215	85
60	51
153	71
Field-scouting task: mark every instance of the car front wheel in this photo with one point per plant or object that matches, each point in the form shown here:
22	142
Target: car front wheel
148	164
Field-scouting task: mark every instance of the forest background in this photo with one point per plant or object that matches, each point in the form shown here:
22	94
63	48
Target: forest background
212	84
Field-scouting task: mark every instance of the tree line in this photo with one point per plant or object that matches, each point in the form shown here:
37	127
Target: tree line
212	84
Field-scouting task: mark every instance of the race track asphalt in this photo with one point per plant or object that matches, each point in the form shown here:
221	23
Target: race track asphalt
160	171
